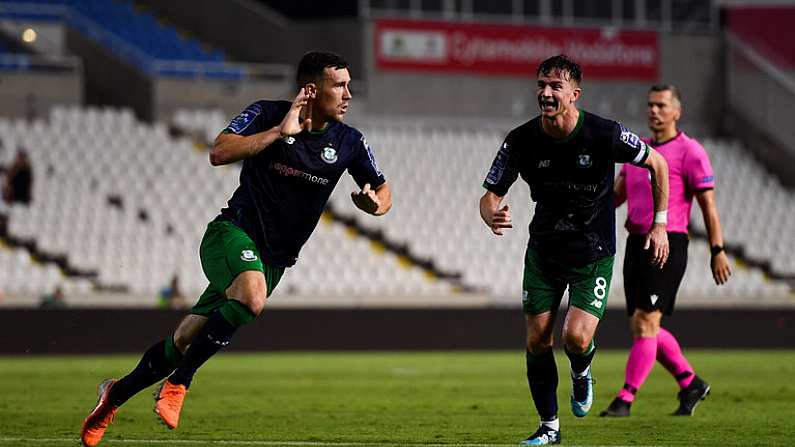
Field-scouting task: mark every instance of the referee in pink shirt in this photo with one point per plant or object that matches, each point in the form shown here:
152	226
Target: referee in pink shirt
651	291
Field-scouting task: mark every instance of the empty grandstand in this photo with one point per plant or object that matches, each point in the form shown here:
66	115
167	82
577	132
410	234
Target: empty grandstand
123	189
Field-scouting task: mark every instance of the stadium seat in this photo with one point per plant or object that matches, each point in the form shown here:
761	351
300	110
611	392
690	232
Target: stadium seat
132	209
436	196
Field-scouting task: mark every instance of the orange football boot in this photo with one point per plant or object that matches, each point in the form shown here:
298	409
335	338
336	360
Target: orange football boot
97	421
168	402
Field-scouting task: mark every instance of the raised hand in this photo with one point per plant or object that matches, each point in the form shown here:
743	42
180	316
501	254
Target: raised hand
291	124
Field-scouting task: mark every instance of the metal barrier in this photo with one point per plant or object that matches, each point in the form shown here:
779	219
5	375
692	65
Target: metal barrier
662	15
50	64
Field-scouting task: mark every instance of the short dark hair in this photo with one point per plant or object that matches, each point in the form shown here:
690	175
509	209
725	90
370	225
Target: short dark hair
561	63
313	65
675	93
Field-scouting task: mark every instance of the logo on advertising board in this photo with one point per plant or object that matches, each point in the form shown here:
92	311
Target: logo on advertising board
511	49
414	46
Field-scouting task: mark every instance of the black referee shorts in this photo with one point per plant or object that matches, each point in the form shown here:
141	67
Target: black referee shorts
648	287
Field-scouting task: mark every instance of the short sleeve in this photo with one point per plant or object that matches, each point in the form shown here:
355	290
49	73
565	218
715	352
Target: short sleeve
628	147
504	169
254	119
698	170
363	167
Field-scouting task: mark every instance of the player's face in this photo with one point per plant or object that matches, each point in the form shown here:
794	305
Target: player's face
664	110
333	94
556	93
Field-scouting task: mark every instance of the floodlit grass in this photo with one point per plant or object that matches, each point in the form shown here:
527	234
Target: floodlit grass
397	399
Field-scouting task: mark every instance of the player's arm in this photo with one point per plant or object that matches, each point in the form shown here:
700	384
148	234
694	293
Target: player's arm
620	189
503	172
493	216
230	147
376	201
657	239
719	262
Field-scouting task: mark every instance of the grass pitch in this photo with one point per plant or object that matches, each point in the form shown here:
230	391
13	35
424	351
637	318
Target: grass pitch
430	398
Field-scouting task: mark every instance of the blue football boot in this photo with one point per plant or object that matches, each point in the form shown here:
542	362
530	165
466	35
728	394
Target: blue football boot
581	394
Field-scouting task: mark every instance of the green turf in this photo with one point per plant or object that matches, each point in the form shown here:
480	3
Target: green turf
398	398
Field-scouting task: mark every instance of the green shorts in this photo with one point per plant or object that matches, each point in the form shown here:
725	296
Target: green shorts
545	280
225	252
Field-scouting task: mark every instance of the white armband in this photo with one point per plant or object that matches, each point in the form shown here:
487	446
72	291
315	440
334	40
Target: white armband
661	217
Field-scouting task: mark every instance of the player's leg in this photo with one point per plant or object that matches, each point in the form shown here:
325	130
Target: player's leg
589	286
187	330
578	332
693	389
669	354
157	363
644	301
240	284
246	299
644	325
542	293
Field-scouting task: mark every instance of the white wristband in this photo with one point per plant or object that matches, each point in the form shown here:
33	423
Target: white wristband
661	217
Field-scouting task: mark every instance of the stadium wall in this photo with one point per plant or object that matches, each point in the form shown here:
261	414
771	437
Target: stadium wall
108	80
170	94
32	94
688	61
255	33
33	332
252	32
111	81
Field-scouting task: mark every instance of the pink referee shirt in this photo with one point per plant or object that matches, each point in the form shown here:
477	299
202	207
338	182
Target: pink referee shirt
689	171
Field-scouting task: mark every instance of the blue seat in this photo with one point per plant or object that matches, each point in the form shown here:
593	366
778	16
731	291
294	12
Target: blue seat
141	30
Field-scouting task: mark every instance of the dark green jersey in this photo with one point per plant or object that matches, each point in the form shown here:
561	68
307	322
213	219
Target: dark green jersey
571	181
284	188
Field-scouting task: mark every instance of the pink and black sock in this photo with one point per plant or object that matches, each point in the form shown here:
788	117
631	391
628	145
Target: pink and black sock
639	364
669	354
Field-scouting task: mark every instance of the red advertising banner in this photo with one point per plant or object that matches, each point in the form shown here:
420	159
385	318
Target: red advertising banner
513	50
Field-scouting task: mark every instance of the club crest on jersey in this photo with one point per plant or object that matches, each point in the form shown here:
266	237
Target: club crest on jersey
329	155
584	161
248	255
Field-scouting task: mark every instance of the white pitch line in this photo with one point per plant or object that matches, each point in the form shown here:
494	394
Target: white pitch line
262	443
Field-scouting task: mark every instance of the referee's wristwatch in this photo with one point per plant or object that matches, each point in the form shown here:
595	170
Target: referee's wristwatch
715	250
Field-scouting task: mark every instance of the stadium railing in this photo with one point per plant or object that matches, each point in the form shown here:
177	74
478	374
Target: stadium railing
664	15
50	64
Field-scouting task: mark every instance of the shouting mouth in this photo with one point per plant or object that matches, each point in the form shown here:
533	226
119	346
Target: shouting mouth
547	105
